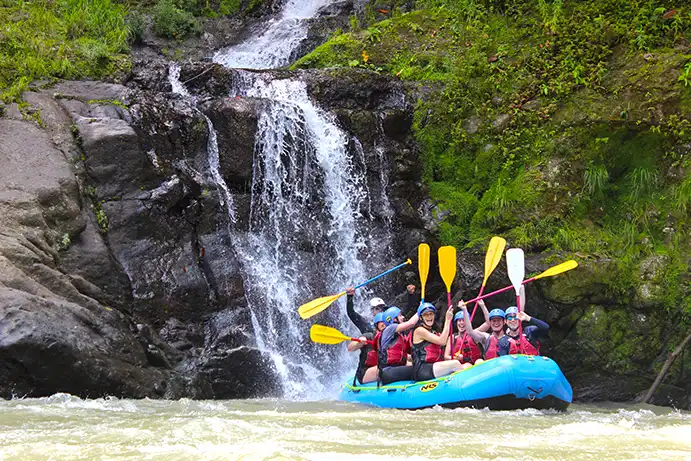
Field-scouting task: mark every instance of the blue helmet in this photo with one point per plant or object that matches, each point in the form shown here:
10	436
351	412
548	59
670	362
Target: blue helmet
391	314
497	313
458	316
379	318
424	307
513	310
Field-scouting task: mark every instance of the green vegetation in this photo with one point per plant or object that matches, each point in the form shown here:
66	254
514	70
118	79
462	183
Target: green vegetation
562	126
63	39
59	39
170	21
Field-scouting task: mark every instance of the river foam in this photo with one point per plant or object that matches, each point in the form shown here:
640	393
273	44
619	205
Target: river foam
66	427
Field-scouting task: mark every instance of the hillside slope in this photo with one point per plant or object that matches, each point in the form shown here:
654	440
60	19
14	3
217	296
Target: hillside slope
564	127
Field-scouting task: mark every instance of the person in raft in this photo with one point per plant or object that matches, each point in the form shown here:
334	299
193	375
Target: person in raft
428	346
376	305
367	371
495	344
465	349
394	346
367	364
528	343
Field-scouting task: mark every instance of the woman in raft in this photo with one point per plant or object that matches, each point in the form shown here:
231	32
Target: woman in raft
428	346
465	349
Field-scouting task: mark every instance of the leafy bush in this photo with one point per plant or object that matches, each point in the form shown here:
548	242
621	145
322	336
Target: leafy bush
170	21
136	26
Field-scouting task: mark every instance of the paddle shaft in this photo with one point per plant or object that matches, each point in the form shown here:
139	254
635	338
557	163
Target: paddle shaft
502	290
482	289
448	300
383	274
520	323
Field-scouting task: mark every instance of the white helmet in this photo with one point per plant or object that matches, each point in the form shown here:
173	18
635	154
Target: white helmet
376	302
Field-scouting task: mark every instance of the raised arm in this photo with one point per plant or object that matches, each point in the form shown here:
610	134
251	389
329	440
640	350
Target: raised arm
413	301
358	320
485	326
522	300
478	336
408	324
539	327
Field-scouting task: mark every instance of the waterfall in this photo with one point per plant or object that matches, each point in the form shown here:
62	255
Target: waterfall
274	46
307	232
212	145
311	230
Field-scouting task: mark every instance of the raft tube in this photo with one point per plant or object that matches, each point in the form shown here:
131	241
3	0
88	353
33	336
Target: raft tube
511	382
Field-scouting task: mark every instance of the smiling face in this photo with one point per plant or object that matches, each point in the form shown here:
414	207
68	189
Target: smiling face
512	322
428	318
496	323
460	325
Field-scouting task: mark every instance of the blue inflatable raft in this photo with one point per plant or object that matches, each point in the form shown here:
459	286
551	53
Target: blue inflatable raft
510	382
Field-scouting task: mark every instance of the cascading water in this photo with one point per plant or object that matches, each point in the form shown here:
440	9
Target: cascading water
310	221
212	146
307	231
274	46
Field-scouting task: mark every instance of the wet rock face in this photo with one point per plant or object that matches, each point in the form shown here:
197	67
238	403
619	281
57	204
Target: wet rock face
55	335
116	270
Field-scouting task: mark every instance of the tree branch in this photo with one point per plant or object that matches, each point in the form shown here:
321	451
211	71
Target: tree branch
665	368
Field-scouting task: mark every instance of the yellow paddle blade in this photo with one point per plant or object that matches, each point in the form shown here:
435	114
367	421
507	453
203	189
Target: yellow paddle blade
493	256
423	265
326	335
558	269
447	265
315	306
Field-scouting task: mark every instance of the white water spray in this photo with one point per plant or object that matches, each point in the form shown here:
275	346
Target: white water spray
310	221
274	46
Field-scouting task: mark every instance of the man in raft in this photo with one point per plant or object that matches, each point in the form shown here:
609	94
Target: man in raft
428	346
528	343
394	346
376	305
465	349
494	344
367	371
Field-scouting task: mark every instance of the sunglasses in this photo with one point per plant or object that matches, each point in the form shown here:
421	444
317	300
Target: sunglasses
511	317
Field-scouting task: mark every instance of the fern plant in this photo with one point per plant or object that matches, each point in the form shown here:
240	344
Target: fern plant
641	181
595	179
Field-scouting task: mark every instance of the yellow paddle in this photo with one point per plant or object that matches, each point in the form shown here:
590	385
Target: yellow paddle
447	269
556	270
327	335
315	306
492	258
423	267
551	272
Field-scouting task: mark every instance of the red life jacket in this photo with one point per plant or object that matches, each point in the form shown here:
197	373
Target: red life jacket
372	354
492	348
426	352
395	353
470	350
523	346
